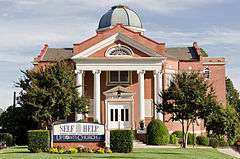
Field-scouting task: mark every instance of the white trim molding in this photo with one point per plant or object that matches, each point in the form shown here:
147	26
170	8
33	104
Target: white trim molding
119	64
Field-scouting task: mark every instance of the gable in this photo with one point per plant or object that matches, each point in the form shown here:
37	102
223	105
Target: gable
103	52
103	35
115	38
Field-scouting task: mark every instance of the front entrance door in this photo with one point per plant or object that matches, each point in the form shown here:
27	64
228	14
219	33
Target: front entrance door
118	116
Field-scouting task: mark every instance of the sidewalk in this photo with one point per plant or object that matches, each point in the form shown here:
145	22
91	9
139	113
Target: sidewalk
229	151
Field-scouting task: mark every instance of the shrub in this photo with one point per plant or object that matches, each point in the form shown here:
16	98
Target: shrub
108	151
61	151
101	151
213	142
173	139
53	150
202	140
191	140
72	150
157	133
38	140
179	135
222	142
8	138
121	141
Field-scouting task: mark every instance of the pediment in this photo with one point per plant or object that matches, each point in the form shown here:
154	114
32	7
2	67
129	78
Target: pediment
118	89
119	92
111	40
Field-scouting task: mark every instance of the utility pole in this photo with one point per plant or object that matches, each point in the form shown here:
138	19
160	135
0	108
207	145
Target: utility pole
14	99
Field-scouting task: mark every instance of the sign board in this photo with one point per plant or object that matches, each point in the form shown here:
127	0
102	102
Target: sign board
78	132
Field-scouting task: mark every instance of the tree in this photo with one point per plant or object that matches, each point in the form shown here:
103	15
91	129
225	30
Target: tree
50	94
16	120
232	94
1	111
188	98
224	122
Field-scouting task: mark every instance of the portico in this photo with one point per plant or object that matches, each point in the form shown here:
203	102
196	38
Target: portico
125	100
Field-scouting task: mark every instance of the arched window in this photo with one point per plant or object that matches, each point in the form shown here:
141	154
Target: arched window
206	73
119	50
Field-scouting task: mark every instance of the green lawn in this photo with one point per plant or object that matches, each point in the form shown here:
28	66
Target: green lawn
23	153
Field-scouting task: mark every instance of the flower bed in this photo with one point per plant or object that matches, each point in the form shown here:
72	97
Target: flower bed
80	149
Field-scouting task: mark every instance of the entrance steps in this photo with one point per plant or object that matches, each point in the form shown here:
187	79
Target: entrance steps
138	144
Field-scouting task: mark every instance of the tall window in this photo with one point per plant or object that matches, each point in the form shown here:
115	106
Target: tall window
206	73
118	77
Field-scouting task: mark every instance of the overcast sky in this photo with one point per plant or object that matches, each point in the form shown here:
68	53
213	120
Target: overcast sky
25	25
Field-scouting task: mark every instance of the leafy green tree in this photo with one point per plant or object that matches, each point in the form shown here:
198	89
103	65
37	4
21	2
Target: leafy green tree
224	122
50	94
1	111
232	94
188	98
16	120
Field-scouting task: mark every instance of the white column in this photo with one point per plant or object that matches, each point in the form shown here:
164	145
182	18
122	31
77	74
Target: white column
158	90
79	84
141	100
97	98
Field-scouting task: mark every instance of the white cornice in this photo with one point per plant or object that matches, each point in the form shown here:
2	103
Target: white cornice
214	63
131	64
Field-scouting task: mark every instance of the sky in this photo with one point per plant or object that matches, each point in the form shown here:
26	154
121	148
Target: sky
26	25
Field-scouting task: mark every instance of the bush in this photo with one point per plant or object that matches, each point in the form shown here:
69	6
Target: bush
101	151
38	140
8	138
53	150
108	151
157	133
121	140
191	140
179	135
61	151
213	142
173	139
202	140
72	150
222	142
237	142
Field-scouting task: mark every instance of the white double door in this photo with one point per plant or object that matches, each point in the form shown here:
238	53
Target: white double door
118	116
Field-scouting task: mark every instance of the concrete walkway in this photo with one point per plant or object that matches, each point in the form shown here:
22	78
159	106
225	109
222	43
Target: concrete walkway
229	151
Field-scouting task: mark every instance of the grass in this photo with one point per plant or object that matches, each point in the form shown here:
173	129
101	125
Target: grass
163	153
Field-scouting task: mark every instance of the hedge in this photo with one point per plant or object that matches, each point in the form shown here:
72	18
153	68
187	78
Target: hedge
7	137
202	140
157	133
38	140
121	141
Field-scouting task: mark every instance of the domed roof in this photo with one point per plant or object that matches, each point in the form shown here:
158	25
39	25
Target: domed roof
120	14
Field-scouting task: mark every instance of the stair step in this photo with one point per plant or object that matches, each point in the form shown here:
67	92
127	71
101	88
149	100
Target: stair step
138	144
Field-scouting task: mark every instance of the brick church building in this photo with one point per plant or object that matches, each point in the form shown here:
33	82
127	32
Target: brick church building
123	71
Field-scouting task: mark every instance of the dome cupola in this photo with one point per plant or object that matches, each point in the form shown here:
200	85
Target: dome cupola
121	14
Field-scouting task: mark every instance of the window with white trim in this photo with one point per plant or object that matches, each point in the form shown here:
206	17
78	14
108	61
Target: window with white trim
118	77
119	50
